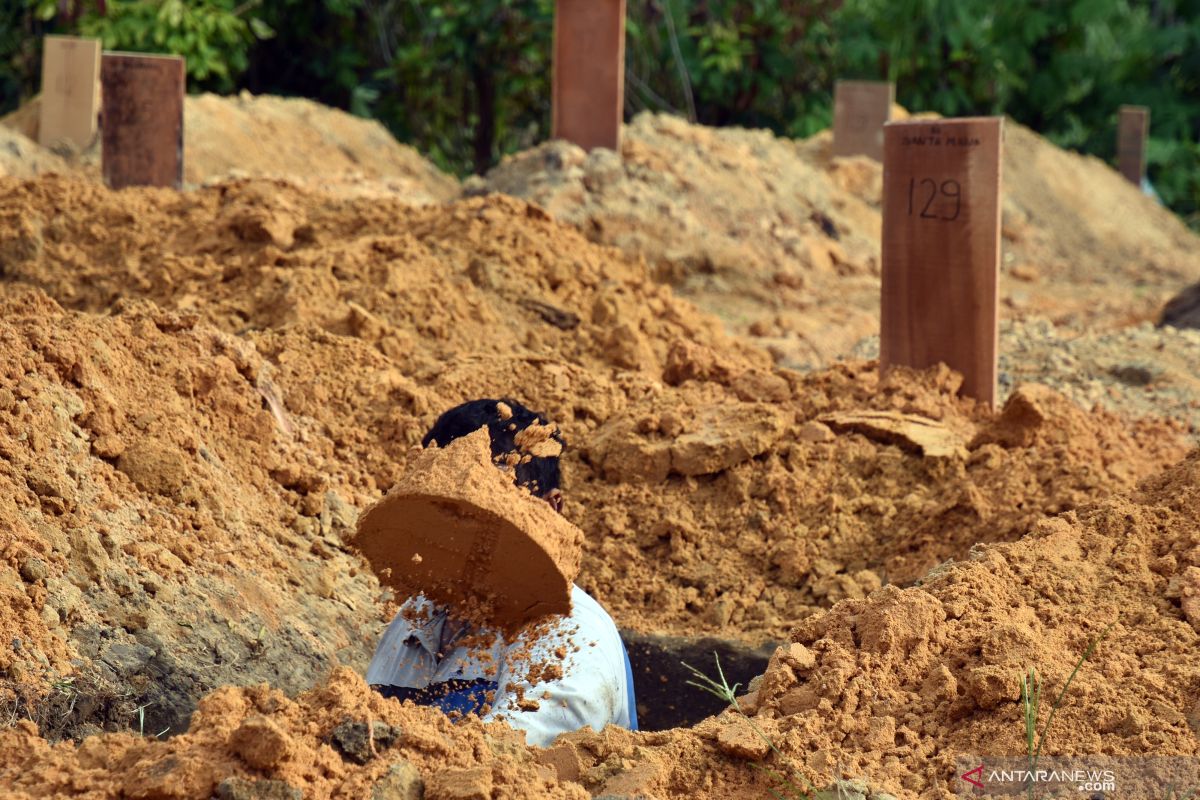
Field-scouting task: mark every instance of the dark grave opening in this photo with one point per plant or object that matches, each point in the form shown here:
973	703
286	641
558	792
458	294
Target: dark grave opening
660	680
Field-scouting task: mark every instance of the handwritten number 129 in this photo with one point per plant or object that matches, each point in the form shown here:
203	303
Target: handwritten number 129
925	192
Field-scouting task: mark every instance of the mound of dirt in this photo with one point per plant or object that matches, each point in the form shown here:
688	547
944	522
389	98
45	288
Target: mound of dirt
339	740
202	389
1139	371
910	679
287	138
167	529
712	497
290	137
893	690
781	240
21	157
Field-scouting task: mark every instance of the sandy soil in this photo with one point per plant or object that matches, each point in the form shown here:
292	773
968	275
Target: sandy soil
278	137
201	391
781	240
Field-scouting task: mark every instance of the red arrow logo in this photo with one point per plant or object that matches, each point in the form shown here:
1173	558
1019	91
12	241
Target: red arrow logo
978	772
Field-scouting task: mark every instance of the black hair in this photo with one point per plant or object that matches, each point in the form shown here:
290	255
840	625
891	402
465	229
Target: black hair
539	474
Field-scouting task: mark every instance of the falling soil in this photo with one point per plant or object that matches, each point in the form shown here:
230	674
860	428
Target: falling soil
460	532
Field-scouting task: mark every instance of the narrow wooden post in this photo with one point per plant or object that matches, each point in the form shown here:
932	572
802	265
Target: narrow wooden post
142	124
70	102
860	110
941	248
589	72
1133	126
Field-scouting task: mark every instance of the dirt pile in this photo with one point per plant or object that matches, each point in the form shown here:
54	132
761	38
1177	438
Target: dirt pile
166	529
901	683
223	378
339	740
891	690
265	136
294	138
1138	371
712	496
21	157
781	240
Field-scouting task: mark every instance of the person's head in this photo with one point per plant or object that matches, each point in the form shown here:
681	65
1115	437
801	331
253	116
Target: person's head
505	420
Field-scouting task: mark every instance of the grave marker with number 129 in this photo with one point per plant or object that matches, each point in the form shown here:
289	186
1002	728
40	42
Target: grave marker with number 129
941	248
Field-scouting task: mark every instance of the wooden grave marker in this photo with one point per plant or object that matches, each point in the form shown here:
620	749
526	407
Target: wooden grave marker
70	102
589	72
860	110
142	122
1133	126
941	248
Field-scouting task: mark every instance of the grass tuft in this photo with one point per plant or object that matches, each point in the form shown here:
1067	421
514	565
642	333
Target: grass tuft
720	688
1031	699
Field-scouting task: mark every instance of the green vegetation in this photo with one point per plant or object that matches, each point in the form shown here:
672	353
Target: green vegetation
720	688
1031	698
467	82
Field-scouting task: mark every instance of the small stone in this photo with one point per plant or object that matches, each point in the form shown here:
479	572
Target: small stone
33	569
402	782
242	789
353	741
261	743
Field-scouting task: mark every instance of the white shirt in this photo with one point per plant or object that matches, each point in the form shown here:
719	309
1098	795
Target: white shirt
593	690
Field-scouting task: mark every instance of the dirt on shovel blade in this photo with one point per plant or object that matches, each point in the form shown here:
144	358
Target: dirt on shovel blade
459	531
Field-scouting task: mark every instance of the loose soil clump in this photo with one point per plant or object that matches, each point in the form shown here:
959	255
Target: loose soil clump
458	530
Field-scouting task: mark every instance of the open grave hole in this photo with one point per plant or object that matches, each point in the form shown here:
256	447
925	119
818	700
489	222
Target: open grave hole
665	699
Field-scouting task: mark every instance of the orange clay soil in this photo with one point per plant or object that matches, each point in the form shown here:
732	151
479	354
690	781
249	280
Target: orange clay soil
781	241
711	498
459	531
889	689
283	137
